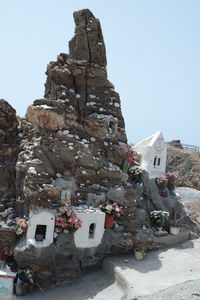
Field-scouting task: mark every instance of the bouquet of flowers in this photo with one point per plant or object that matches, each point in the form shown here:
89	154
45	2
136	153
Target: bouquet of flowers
171	178
158	217
21	226
162	181
111	209
136	173
67	220
26	274
128	154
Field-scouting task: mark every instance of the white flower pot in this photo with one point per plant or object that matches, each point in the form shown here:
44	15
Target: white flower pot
138	255
174	230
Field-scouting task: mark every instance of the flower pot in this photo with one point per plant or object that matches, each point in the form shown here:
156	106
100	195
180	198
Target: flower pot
21	290
175	230
109	222
30	287
139	255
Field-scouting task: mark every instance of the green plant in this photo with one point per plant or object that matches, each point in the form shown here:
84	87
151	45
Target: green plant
26	274
176	220
141	249
158	217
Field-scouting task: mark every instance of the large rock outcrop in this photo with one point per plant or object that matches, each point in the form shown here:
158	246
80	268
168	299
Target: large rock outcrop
8	153
79	123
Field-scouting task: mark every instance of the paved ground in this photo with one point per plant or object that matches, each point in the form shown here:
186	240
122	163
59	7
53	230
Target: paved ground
97	285
160	271
170	274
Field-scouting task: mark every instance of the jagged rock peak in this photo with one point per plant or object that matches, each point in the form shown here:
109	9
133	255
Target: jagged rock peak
7	116
88	43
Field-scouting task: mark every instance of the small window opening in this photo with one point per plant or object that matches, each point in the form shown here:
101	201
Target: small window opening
159	161
40	233
91	231
155	160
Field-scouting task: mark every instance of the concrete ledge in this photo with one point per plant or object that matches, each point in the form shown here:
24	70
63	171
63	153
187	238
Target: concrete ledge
170	240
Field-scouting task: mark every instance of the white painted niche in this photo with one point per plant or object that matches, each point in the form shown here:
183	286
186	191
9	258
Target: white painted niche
92	230
41	228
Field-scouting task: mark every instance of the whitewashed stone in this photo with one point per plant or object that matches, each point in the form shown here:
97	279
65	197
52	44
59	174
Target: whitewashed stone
82	237
46	218
153	151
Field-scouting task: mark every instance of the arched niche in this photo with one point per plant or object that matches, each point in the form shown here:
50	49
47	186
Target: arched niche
41	228
92	230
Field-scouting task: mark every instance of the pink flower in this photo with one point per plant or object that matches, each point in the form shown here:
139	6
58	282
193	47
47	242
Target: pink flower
130	160
109	207
69	213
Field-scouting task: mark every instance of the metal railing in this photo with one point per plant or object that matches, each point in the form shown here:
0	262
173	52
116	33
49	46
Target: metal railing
193	148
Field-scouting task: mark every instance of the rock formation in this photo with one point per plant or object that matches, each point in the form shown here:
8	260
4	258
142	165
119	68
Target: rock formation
8	154
79	124
71	140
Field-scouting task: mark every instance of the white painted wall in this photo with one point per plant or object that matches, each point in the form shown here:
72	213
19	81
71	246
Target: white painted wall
149	148
44	217
81	236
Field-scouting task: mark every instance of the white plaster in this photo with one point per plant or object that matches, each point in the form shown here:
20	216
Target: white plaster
44	217
149	149
89	216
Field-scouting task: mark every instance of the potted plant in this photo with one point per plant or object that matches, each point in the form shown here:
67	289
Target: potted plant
158	218
111	210
67	221
175	224
140	252
24	281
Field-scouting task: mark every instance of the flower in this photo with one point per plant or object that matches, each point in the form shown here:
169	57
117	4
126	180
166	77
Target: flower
21	226
158	217
111	209
67	220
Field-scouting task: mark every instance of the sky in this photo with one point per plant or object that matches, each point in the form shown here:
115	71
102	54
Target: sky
153	54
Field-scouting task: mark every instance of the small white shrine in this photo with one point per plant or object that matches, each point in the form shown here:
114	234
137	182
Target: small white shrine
40	231
92	230
6	281
153	151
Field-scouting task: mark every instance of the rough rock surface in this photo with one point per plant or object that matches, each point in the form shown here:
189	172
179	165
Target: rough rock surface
8	153
185	164
79	123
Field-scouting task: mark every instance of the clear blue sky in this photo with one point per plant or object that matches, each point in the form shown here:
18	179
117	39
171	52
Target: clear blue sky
153	53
